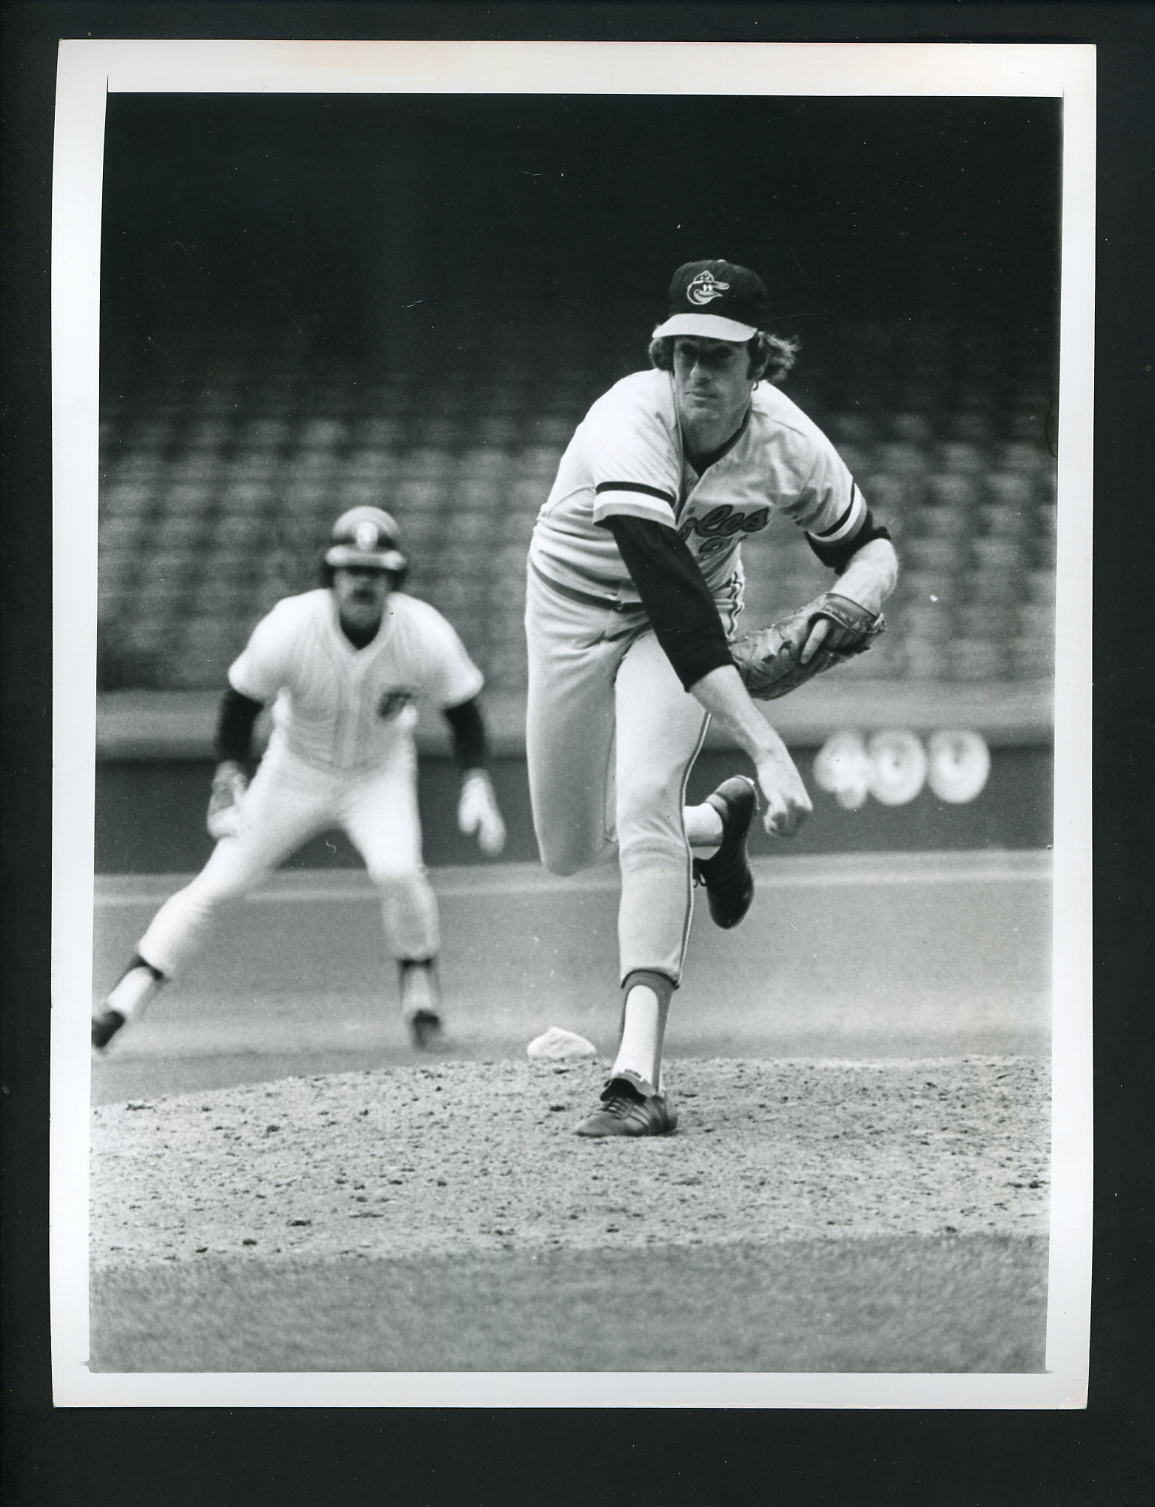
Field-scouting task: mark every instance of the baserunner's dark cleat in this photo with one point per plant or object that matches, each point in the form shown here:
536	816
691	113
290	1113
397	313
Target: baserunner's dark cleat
104	1027
426	1030
626	1108
727	875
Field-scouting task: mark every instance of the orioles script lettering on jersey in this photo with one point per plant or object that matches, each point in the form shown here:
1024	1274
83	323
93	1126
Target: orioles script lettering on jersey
721	524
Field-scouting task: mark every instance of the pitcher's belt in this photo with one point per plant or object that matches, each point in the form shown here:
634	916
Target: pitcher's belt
586	598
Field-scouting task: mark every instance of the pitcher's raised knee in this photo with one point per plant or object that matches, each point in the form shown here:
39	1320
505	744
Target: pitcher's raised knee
565	853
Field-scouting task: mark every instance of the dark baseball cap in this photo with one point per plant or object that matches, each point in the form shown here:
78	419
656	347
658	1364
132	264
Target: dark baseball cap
365	537
717	299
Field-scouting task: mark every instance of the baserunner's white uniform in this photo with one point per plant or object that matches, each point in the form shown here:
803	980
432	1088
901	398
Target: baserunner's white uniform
341	755
611	734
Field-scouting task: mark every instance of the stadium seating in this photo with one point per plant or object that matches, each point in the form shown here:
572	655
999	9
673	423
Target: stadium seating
217	492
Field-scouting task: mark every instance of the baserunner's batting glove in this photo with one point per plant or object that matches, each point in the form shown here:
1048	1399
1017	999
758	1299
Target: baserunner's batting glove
477	812
229	785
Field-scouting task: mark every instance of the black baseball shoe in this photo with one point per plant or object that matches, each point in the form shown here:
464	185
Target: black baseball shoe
728	878
629	1106
426	1030
104	1027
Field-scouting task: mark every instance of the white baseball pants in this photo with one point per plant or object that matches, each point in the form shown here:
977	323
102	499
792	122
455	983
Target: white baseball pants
288	802
611	737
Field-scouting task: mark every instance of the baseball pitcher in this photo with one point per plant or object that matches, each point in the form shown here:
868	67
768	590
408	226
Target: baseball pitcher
635	584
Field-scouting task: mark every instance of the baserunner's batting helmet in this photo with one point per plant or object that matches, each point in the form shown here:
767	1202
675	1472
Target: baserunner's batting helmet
366	537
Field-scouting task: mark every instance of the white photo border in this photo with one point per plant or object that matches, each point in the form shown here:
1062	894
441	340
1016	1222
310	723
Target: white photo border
91	69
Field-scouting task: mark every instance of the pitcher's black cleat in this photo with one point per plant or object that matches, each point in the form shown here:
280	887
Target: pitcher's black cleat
727	876
628	1106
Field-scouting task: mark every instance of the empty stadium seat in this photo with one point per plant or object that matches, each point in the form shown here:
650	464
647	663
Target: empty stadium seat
900	458
996	620
439	431
498	429
492	461
424	463
124	499
117	558
849	426
1046	511
1014	489
932	552
196	465
236	530
539	461
211	434
925	660
411	495
959	491
939	520
977	658
422	529
253	465
1006	519
973	426
995	585
1044	551
889	493
997	552
345	494
308	498
911	428
384	429
855	456
1022	456
264	433
1032	658
550	429
961	457
923	622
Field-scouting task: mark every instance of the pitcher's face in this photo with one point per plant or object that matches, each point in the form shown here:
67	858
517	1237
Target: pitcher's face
710	381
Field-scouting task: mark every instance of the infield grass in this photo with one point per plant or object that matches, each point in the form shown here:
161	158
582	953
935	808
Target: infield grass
876	1304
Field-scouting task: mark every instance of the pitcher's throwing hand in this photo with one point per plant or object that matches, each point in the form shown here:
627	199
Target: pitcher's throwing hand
787	803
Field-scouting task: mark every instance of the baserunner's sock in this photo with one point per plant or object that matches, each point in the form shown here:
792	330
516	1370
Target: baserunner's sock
135	988
419	986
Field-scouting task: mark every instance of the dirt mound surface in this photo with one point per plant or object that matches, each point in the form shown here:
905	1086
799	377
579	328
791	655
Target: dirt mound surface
464	1157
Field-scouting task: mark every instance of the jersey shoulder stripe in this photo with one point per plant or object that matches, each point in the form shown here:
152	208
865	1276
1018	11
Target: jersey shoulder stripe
635	486
850	519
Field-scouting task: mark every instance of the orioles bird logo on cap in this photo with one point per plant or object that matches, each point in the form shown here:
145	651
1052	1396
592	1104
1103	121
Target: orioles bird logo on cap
705	288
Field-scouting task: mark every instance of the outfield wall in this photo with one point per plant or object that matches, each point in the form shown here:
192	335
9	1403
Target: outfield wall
150	813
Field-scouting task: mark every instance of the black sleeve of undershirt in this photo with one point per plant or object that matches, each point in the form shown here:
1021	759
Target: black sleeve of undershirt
235	722
467	726
675	596
839	556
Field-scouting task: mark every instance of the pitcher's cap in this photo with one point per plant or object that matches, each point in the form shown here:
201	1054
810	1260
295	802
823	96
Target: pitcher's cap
717	299
366	537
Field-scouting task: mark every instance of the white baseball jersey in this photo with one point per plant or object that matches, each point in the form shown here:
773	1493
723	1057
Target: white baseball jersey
345	708
626	458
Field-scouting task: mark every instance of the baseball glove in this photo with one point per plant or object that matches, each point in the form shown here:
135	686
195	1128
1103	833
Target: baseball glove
769	659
